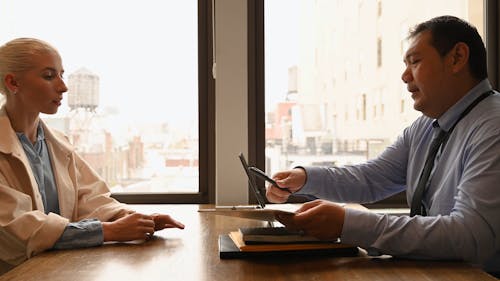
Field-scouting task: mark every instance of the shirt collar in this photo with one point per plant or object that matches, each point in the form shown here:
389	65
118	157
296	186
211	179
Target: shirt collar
451	115
40	134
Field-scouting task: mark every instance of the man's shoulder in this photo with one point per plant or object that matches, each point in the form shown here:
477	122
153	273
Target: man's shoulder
494	100
484	120
488	112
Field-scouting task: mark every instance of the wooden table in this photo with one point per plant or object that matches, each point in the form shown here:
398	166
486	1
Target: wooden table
192	254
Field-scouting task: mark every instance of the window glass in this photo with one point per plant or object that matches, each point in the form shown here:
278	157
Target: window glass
132	72
334	93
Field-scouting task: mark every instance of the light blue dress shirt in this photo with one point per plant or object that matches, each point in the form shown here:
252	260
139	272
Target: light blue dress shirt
463	196
85	233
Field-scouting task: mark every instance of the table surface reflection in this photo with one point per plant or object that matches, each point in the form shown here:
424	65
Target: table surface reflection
192	254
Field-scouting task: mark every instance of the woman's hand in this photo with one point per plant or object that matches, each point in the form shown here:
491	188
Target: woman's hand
133	226
165	221
137	226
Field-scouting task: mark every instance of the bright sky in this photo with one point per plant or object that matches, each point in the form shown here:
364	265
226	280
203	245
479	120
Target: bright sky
144	52
281	47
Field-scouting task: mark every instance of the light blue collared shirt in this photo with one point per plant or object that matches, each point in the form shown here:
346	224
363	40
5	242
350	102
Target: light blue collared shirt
39	159
463	196
86	233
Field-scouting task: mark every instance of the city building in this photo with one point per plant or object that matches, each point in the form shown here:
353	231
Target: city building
350	100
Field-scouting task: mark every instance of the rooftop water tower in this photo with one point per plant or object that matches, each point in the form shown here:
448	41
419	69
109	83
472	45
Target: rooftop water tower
83	90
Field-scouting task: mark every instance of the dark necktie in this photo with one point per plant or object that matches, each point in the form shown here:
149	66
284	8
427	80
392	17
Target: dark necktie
417	208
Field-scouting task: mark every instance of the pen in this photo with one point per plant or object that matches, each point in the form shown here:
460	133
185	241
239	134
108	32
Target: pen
256	171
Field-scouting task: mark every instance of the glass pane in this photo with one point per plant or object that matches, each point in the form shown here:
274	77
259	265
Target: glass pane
132	72
334	93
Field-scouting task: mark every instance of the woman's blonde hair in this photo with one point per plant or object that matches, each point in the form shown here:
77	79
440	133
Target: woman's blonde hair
16	56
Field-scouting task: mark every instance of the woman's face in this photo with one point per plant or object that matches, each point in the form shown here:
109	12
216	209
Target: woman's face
40	89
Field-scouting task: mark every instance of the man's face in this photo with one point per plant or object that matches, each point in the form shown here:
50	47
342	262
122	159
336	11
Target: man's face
427	76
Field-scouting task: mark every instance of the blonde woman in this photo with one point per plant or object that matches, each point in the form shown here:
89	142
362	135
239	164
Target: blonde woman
49	196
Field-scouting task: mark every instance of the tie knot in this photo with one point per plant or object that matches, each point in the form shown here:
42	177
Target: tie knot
439	136
438	132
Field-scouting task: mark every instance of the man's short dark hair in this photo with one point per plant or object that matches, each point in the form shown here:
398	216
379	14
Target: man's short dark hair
447	31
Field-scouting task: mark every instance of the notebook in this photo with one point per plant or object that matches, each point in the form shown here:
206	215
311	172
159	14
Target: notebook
278	235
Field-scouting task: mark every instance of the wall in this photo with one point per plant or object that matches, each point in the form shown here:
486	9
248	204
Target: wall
231	101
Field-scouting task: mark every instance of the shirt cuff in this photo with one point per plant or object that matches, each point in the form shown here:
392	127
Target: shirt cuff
313	179
82	234
359	227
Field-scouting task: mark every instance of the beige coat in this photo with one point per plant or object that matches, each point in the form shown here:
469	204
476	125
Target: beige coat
25	230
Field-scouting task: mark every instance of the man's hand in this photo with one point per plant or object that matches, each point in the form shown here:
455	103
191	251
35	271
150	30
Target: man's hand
319	218
291	179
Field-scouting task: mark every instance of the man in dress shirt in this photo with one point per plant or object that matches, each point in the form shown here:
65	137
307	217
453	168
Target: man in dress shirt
457	215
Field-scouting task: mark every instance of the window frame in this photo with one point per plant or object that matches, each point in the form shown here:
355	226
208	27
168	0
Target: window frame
492	27
256	95
206	120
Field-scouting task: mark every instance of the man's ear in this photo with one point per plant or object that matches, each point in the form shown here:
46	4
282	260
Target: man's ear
11	82
459	57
